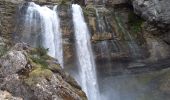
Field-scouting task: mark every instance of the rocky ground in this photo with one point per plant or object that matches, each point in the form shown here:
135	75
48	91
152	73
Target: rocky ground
30	74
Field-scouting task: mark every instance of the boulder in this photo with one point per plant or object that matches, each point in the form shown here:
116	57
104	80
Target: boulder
153	10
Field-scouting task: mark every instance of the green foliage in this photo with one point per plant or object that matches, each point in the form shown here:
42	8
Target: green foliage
39	56
135	22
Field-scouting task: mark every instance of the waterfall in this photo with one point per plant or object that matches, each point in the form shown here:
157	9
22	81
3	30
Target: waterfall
133	46
85	55
42	27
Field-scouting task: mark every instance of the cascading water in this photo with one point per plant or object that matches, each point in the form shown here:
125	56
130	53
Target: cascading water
85	55
102	30
44	24
134	48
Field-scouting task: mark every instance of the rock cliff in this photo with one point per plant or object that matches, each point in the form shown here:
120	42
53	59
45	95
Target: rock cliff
127	36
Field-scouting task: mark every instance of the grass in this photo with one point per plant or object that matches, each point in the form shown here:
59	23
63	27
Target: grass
37	74
38	59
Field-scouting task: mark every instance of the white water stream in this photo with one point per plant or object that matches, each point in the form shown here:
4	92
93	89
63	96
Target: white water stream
47	22
85	55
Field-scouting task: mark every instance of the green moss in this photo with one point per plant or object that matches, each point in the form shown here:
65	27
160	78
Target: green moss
40	61
135	22
134	26
39	56
37	74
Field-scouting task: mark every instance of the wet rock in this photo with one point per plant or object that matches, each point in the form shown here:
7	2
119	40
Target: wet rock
101	37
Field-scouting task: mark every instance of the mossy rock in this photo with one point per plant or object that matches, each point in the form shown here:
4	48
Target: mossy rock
36	59
37	74
39	56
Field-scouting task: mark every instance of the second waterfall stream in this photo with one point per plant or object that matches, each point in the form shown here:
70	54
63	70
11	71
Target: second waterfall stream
87	69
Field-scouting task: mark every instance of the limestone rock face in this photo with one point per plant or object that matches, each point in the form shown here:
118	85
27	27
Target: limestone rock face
8	9
16	61
32	76
153	10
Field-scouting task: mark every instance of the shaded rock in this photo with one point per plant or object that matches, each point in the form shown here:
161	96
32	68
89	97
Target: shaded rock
115	2
157	48
153	10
